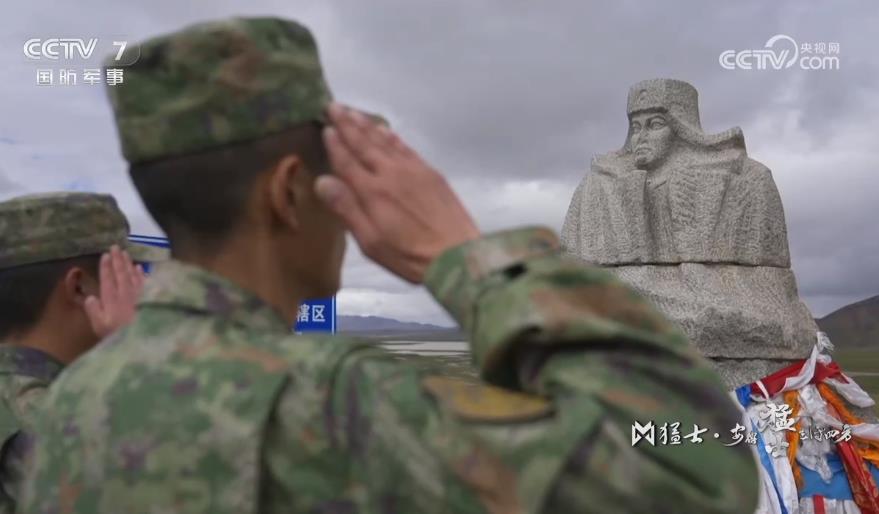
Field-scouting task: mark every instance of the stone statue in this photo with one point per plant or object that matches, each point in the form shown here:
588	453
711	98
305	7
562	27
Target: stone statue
695	224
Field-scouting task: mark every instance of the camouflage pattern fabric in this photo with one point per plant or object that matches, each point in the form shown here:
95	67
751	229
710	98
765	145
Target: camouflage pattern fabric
53	226
206	403
218	83
234	80
25	375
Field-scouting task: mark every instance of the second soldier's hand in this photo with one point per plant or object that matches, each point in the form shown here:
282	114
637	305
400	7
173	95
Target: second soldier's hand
400	210
121	284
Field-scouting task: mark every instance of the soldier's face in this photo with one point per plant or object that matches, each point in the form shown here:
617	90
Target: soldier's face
652	138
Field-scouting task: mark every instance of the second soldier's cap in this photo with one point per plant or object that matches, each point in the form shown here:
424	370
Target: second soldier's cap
54	226
218	83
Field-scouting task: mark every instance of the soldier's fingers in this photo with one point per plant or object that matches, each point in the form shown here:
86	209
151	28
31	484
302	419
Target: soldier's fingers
378	135
359	138
343	202
107	278
130	272
139	277
399	145
95	313
392	142
344	164
120	271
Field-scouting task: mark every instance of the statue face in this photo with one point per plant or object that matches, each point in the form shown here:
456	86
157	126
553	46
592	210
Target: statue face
651	138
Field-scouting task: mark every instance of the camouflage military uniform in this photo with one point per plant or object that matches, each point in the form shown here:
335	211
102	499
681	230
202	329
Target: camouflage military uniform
35	229
25	373
207	403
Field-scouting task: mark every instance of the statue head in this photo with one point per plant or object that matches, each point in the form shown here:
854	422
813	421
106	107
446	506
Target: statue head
675	97
664	119
664	130
651	138
660	111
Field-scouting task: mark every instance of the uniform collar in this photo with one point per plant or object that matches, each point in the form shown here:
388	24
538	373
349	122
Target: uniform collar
183	286
23	360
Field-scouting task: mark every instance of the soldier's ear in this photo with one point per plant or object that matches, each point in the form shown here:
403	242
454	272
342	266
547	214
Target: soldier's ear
76	286
284	193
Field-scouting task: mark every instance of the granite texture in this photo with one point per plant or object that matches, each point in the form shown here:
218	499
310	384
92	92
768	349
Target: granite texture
697	226
736	372
689	214
742	312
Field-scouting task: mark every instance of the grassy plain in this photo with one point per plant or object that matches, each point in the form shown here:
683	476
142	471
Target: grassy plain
863	366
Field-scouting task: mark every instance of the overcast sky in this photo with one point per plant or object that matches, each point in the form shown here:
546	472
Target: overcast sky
510	99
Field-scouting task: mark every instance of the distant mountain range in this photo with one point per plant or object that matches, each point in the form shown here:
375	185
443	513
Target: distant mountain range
384	328
855	325
852	326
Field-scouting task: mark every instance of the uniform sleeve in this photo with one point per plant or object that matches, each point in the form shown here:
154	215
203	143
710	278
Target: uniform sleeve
20	403
569	360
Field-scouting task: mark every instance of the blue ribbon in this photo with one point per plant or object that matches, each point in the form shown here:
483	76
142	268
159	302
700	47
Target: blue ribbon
743	394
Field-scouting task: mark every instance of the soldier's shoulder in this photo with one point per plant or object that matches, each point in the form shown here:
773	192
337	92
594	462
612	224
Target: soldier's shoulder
315	349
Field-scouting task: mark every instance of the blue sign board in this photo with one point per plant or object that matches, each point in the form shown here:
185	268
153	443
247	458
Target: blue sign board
317	316
161	242
313	316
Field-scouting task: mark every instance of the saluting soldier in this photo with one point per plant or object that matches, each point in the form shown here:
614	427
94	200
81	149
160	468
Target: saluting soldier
207	402
66	281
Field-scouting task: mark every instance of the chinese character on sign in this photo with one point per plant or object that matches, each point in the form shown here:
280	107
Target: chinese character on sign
67	77
737	435
780	415
317	313
821	48
663	433
832	433
846	434
675	433
114	76
833	48
805	435
751	438
806	48
303	313
45	77
91	76
646	432
694	436
777	450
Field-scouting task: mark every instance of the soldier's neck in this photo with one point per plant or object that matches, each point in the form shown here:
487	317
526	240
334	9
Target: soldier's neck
54	339
252	264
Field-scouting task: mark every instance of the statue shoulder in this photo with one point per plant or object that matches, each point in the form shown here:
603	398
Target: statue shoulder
757	178
611	164
756	169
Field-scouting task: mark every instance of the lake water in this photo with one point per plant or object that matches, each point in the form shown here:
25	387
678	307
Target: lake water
451	357
435	348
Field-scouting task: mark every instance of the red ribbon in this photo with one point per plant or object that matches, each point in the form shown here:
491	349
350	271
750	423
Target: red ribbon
864	490
775	382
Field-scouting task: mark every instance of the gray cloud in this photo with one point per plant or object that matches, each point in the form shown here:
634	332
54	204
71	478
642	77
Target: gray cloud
511	100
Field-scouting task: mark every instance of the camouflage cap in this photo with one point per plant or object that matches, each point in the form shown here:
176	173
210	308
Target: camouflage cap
48	227
217	83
